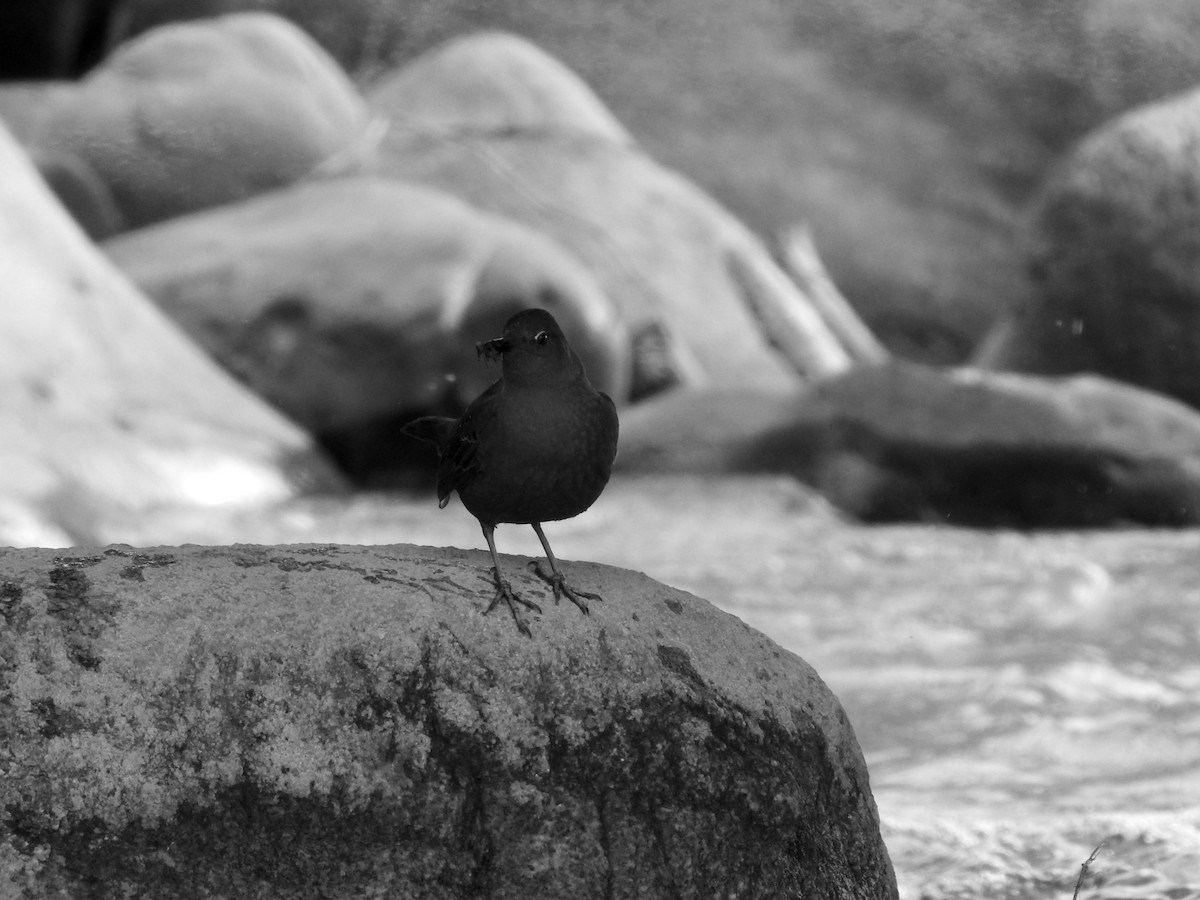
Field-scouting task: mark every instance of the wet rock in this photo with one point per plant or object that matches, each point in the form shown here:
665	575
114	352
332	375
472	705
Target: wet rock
1112	252
679	268
194	114
349	302
907	442
108	410
332	721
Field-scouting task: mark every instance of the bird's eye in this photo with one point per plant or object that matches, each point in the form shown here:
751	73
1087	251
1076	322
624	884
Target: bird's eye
541	337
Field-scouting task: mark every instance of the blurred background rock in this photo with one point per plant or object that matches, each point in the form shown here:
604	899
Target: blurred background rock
910	134
968	170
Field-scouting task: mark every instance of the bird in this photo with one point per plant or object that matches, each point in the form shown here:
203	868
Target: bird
536	446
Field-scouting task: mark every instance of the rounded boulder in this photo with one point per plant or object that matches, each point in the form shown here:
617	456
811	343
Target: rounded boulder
195	114
324	721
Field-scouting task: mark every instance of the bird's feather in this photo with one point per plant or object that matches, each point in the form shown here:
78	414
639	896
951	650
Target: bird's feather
456	441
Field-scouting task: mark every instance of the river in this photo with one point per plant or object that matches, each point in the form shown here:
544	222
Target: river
1020	698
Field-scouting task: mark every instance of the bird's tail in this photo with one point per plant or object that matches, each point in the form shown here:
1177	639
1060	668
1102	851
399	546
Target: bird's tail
435	430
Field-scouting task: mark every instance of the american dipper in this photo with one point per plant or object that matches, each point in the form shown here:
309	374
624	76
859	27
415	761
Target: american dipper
537	446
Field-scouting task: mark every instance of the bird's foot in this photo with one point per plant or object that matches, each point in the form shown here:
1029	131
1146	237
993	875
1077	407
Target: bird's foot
511	598
558	584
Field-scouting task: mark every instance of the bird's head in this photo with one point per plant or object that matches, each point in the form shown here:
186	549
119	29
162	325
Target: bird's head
533	350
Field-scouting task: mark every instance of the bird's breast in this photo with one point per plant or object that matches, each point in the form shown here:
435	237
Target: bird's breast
548	457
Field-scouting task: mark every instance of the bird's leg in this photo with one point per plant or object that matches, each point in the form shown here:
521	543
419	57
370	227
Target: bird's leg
556	579
504	590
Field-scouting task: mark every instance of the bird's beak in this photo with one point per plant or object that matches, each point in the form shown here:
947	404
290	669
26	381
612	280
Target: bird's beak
493	348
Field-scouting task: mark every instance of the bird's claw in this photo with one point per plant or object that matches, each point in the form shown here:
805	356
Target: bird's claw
558	584
510	597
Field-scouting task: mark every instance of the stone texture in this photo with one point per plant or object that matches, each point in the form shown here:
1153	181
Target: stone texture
331	721
194	114
907	442
108	411
690	281
1113	250
350	301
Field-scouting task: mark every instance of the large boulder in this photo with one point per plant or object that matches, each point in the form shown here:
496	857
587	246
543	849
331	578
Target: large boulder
196	114
496	82
108	410
324	721
702	296
354	300
1113	251
960	446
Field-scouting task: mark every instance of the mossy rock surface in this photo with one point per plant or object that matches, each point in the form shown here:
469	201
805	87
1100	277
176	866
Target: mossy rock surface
343	721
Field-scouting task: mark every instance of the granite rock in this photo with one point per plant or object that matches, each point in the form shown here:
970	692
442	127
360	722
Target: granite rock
304	721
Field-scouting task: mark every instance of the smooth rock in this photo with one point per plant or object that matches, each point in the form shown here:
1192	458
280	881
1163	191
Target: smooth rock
27	107
1112	251
108	410
351	301
195	114
699	430
903	441
496	82
689	280
329	721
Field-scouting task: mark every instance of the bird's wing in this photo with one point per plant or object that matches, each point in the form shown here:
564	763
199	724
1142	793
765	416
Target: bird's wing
435	430
616	422
459	464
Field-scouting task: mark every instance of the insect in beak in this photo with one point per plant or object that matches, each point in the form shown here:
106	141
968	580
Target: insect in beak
492	349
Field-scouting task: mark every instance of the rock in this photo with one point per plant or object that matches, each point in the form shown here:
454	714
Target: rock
195	114
108	410
1112	255
28	106
979	448
699	430
690	281
903	441
353	301
82	191
330	721
496	82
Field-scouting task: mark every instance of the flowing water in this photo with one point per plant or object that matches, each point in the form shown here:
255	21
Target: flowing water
1020	698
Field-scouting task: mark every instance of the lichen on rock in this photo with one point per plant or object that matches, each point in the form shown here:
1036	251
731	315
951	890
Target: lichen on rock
329	721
